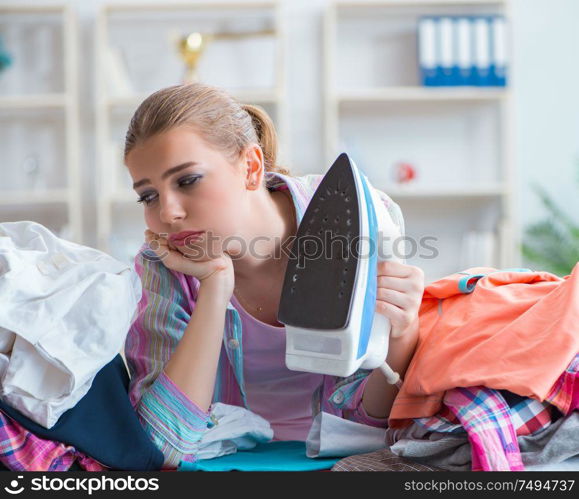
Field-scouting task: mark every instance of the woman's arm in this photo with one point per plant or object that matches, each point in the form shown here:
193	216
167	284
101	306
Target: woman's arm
173	421
193	364
378	394
399	295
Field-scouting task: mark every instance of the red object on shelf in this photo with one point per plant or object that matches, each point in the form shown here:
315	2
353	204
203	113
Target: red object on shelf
405	172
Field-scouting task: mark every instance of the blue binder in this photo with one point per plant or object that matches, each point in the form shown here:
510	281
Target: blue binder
428	51
462	50
465	51
482	52
445	67
498	52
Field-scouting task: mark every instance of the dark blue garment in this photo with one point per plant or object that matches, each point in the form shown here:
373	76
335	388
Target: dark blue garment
103	424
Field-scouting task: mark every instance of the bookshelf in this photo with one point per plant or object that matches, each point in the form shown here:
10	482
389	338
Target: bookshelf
458	139
142	36
39	108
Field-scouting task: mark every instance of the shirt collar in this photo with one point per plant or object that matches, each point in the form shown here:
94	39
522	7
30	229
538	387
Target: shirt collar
276	181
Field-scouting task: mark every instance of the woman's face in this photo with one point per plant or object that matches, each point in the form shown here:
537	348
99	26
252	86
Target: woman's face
186	184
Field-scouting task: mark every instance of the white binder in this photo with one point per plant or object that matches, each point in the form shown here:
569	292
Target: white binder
427	52
499	56
464	39
482	51
448	61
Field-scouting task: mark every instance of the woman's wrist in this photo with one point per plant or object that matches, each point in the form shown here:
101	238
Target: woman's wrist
401	349
217	286
407	333
379	394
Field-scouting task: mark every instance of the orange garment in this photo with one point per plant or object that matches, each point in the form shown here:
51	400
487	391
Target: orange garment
515	330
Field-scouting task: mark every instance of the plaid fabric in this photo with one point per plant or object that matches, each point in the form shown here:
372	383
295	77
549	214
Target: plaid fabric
486	417
444	421
493	419
565	392
528	416
21	450
380	460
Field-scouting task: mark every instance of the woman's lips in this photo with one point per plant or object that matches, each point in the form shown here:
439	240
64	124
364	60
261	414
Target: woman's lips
180	238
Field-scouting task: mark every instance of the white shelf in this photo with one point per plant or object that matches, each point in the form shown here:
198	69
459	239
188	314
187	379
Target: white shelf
442	192
416	3
64	98
257	96
33	9
386	94
58	101
459	139
175	6
14	198
112	109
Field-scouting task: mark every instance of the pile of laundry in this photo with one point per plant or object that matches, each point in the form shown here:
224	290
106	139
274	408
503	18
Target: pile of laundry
65	310
494	382
493	386
481	429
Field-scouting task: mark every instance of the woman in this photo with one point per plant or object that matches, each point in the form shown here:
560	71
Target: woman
203	163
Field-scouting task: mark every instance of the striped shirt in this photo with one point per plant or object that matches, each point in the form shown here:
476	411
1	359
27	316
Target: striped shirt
22	450
174	422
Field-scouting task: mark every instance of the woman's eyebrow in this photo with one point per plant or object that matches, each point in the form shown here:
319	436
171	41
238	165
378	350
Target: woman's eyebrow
170	171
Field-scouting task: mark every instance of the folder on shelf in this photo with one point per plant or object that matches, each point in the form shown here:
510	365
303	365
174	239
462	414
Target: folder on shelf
482	52
448	61
463	50
498	52
463	27
427	51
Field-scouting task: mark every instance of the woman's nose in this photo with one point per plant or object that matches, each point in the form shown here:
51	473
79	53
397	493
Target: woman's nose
171	209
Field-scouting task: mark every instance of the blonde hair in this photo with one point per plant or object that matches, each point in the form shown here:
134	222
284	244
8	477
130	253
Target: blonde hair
219	118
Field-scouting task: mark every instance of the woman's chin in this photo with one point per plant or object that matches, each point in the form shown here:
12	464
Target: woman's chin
233	248
192	251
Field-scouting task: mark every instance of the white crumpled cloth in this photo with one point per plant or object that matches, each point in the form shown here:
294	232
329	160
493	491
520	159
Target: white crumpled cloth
332	436
235	428
65	310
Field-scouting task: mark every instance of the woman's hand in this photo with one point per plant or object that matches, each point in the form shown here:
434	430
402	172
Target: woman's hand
399	295
219	269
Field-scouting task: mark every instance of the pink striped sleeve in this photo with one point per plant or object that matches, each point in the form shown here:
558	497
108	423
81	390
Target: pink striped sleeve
172	421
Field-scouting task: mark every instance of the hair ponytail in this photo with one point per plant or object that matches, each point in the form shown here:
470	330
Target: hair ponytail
267	137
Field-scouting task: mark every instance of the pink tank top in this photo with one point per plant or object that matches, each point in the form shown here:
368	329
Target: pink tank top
281	396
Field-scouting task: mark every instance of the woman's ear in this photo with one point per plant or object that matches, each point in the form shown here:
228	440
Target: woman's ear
254	166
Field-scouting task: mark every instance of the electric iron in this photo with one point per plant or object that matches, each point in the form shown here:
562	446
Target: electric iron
329	292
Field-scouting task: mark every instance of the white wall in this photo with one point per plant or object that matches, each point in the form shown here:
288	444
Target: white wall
546	45
546	76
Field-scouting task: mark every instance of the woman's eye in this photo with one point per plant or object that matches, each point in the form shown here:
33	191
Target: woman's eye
146	198
188	180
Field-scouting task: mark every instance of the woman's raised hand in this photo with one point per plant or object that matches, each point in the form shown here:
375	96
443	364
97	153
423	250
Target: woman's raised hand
399	295
218	269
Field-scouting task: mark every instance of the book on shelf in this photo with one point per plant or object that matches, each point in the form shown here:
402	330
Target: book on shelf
463	51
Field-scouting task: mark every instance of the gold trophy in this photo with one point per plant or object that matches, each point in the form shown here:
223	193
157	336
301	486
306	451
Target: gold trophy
192	46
